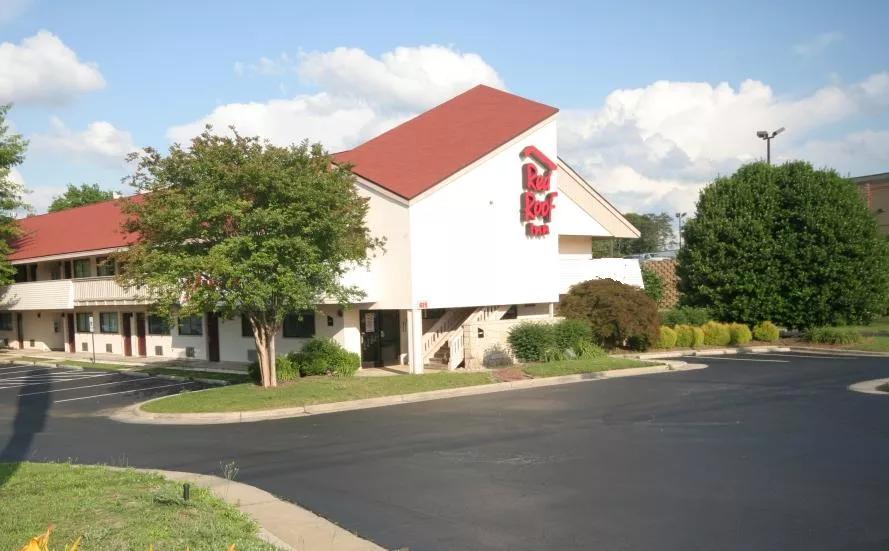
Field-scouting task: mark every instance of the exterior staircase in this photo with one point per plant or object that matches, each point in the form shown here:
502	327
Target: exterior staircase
443	342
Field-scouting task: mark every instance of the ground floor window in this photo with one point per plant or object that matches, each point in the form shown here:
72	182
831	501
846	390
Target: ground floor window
191	326
109	322
5	321
83	322
300	325
158	325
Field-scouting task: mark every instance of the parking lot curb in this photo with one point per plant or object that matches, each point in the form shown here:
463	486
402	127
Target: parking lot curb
810	349
705	352
135	414
281	523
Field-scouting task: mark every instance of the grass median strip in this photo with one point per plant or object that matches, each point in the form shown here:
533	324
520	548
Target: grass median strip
115	509
324	390
233	378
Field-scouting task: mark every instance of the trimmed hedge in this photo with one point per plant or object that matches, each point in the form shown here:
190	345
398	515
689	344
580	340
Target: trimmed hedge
685	337
685	315
740	334
529	341
619	314
697	337
667	337
568	334
766	331
833	335
322	356
716	334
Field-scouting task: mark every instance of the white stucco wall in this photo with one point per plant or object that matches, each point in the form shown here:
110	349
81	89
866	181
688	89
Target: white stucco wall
468	242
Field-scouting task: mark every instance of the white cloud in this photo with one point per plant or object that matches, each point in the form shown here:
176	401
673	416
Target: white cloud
43	70
10	9
855	154
100	142
361	95
657	146
817	44
278	66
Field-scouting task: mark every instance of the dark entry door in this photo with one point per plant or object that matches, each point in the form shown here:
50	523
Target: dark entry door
127	334
212	337
140	334
69	318
380	337
20	333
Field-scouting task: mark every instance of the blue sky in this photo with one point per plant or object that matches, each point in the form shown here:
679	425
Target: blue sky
656	97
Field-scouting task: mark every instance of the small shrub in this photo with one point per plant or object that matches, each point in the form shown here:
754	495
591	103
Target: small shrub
716	334
618	313
667	338
529	340
555	353
697	340
685	315
589	351
685	337
496	356
833	335
740	333
653	284
568	334
283	366
766	331
322	356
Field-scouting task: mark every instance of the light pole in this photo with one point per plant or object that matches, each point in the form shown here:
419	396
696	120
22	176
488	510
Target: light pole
679	217
764	134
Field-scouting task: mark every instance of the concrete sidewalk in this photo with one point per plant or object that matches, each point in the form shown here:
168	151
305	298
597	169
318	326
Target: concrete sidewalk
283	524
135	414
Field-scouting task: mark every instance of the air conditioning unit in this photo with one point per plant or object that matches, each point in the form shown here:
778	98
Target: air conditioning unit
189	352
85	347
158	350
109	348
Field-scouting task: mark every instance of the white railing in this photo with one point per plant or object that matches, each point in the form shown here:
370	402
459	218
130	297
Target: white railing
54	294
104	290
455	345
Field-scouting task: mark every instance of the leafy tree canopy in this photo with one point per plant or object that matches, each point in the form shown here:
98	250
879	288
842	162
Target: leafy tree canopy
784	243
237	226
656	235
12	153
77	196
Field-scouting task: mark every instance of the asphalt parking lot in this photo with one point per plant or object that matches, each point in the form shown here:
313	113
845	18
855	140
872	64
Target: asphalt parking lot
764	452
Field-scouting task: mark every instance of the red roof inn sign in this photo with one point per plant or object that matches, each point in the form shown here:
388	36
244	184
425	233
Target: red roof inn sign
537	199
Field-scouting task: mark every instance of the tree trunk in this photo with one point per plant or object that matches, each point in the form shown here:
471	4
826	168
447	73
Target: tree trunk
264	336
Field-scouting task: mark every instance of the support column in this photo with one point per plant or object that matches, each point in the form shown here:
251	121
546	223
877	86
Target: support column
415	340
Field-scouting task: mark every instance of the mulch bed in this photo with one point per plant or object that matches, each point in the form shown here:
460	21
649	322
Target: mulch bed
507	374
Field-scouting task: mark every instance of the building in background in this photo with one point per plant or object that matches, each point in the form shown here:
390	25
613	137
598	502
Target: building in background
875	191
485	226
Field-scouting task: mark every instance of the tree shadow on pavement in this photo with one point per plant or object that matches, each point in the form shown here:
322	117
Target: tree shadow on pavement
31	412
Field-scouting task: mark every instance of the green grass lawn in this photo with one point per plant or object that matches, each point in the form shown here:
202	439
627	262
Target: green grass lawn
115	509
871	344
310	390
323	390
876	327
233	378
571	367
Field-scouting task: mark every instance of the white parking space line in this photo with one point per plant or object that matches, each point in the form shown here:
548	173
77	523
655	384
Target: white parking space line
705	358
836	357
122	392
21	366
32	382
88	386
33	371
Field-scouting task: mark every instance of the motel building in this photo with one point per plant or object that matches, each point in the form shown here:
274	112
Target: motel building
485	226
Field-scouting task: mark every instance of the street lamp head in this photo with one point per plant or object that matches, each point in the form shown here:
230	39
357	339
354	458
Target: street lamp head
776	132
762	134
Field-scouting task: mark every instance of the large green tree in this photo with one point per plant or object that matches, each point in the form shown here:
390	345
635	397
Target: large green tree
77	196
12	153
656	234
237	226
785	243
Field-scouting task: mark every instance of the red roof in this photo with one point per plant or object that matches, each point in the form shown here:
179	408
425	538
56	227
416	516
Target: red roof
86	228
415	156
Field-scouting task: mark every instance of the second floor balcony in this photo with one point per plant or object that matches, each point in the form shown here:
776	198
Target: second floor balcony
102	291
65	294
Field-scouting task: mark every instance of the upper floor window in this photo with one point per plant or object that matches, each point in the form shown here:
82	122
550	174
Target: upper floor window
5	321
108	322
300	325
158	325
191	326
104	266
82	268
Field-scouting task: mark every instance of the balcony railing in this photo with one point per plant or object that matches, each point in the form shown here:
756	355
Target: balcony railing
38	295
96	291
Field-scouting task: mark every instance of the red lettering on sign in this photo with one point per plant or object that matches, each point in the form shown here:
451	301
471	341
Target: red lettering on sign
535	181
534	207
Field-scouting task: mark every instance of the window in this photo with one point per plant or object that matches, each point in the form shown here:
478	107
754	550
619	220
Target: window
83	323
5	321
300	325
104	266
108	322
246	330
82	268
191	326
21	273
158	325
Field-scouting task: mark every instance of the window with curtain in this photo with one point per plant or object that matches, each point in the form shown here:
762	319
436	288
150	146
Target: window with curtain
109	322
82	268
191	326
